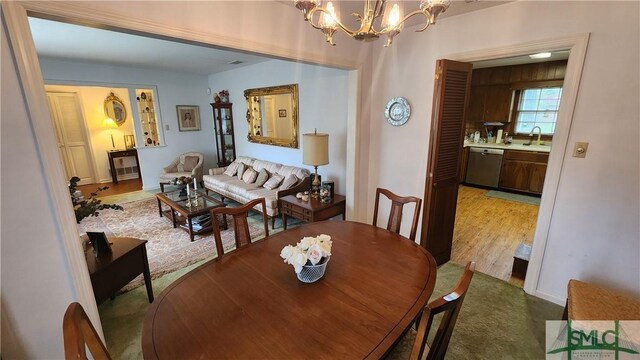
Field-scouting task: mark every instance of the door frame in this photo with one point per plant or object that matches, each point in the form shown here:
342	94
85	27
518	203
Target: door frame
85	132
577	44
15	14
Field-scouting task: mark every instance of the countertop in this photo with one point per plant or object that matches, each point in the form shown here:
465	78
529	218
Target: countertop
521	147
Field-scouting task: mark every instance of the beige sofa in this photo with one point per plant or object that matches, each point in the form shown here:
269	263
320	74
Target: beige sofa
236	189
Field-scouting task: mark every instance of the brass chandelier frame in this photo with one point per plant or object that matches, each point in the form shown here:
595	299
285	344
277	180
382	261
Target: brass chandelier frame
373	10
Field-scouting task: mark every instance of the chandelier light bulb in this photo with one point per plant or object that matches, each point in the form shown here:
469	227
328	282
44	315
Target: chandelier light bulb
328	18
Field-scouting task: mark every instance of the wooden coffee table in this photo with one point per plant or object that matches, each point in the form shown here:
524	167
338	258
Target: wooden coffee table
182	211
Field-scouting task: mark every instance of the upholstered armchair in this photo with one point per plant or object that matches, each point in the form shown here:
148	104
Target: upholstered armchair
188	164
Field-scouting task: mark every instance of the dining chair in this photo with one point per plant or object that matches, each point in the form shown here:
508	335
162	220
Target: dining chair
79	333
449	305
395	215
240	223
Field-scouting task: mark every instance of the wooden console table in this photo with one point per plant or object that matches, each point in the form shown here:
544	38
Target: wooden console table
114	154
312	210
111	272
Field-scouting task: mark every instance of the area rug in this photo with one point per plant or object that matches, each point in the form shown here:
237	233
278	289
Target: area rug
168	249
531	200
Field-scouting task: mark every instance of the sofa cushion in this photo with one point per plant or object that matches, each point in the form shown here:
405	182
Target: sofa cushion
271	167
245	160
249	176
290	181
241	169
232	169
262	178
273	182
190	163
287	170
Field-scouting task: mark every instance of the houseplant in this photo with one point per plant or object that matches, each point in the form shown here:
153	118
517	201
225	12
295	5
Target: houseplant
89	207
309	257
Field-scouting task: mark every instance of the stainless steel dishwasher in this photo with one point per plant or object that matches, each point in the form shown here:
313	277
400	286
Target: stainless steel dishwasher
484	166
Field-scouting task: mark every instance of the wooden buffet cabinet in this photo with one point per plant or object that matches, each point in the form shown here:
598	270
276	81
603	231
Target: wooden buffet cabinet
523	171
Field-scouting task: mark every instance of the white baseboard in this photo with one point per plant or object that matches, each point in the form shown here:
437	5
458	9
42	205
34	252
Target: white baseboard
554	299
150	187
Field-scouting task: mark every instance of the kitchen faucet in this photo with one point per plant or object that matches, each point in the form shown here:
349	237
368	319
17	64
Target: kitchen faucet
538	142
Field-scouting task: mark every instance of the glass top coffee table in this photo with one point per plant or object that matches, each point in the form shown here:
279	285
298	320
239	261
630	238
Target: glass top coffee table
191	214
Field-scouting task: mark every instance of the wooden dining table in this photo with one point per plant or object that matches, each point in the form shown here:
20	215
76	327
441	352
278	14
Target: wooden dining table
248	304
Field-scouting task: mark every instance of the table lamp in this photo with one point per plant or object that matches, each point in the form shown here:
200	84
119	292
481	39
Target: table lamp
315	152
110	124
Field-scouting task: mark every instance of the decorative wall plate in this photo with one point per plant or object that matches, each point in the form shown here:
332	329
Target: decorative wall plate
397	111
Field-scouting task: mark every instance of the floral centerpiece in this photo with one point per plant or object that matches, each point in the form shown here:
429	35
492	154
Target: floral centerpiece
309	257
224	96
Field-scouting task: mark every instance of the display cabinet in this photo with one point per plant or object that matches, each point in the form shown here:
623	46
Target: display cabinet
148	118
225	141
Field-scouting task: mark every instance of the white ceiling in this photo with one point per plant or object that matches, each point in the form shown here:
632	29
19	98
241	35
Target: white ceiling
73	42
518	60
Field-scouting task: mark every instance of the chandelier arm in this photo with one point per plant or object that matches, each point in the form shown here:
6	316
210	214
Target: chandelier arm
388	29
323	10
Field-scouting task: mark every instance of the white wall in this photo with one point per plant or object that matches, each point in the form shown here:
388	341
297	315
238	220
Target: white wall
322	105
36	287
174	88
92	104
594	233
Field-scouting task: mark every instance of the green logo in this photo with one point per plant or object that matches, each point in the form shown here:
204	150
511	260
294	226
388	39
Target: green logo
576	340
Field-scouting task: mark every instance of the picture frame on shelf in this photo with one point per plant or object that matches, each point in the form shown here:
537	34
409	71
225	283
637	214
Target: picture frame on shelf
188	117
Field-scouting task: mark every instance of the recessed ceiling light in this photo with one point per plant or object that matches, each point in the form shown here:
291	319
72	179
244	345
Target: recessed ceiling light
235	62
542	55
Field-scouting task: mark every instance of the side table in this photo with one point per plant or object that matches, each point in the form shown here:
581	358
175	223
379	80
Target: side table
312	210
112	272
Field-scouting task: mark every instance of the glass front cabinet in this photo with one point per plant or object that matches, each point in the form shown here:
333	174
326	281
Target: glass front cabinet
225	142
149	123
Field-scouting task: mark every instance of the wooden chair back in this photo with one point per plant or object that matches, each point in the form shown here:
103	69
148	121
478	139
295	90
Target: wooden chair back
78	332
240	223
449	305
395	215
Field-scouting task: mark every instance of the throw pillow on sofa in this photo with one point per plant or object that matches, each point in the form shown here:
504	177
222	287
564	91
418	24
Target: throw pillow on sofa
262	178
289	182
241	169
249	176
273	182
231	169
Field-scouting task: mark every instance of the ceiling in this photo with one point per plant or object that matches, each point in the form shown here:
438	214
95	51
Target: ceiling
518	60
64	41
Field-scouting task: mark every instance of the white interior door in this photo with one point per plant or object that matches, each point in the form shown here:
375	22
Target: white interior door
71	133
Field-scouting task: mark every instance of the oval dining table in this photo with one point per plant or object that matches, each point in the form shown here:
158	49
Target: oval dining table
248	304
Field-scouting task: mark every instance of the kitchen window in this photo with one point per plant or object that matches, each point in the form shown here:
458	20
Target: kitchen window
538	107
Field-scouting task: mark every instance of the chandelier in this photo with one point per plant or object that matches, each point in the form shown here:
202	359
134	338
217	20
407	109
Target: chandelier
392	20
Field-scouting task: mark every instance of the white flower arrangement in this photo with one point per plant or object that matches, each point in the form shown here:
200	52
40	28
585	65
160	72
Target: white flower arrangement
309	251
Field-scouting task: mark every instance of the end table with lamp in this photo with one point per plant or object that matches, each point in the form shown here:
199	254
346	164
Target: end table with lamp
315	152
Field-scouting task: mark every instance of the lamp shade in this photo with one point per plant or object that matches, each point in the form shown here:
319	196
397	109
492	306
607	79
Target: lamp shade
315	149
109	123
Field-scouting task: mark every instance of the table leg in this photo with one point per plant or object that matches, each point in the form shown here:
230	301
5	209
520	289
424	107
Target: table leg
190	227
224	221
284	221
344	215
173	218
160	207
161	187
147	274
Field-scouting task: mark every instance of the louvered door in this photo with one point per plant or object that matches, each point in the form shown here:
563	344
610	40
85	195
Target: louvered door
450	98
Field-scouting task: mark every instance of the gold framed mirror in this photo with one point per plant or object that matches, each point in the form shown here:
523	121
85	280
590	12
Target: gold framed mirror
114	108
272	115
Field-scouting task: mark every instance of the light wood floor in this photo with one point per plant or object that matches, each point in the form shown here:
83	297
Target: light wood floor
123	186
488	231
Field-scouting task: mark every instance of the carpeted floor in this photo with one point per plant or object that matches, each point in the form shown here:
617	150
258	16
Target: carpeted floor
497	321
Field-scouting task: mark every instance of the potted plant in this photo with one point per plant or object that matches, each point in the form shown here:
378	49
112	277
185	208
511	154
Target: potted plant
87	207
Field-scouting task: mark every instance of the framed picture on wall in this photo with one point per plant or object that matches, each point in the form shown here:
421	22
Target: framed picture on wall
282	113
188	117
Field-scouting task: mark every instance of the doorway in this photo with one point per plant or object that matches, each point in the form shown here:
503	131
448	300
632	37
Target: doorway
72	137
443	238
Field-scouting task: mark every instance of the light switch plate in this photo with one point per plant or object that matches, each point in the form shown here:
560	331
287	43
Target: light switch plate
580	149
166	127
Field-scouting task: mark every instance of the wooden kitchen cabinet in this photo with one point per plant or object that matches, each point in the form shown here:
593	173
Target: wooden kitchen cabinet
490	103
523	171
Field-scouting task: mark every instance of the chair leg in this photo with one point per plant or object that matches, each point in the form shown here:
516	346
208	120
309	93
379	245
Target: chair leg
273	223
